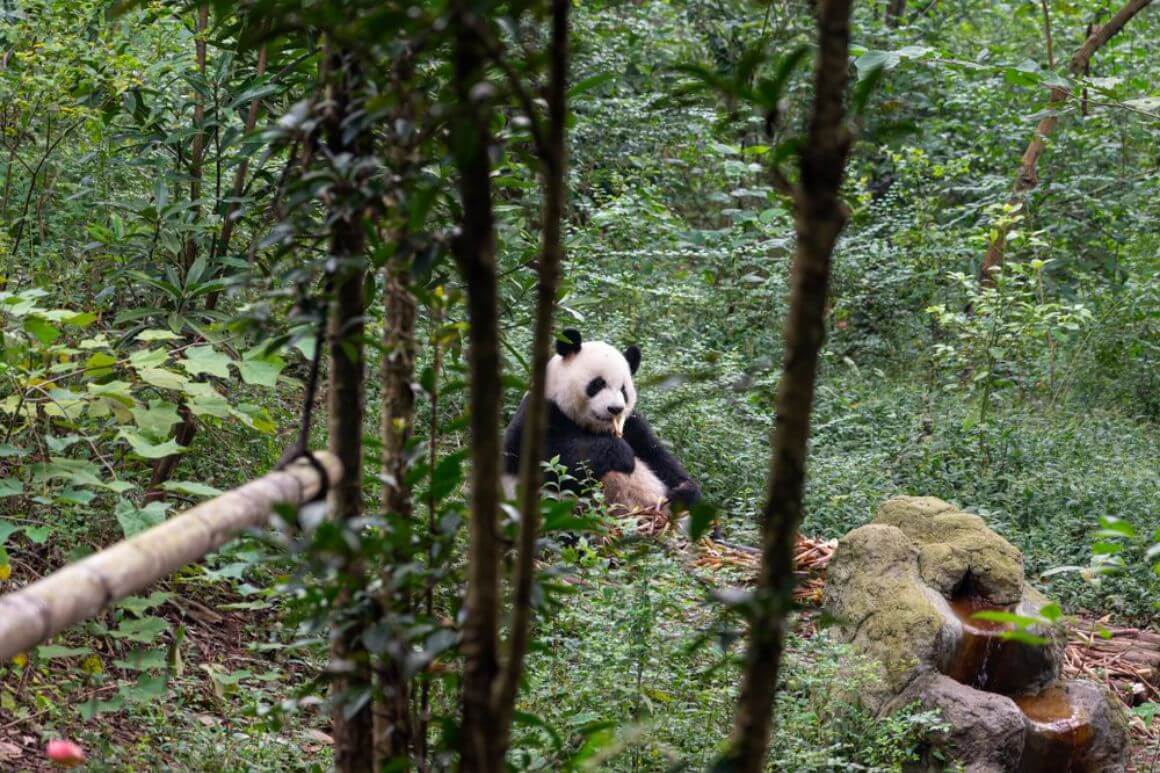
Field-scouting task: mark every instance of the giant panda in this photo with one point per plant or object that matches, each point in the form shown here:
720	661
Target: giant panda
594	432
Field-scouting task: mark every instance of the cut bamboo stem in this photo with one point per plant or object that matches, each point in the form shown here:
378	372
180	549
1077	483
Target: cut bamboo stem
79	591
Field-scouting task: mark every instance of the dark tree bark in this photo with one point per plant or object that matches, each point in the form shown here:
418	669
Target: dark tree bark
393	726
474	250
1027	177
353	749
894	11
819	219
163	468
552	151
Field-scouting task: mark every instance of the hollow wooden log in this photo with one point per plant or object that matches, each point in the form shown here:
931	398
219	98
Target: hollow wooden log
79	591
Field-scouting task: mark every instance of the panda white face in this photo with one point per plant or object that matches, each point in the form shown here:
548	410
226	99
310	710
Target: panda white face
592	382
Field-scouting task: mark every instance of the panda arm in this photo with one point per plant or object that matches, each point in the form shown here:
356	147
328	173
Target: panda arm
652	452
512	439
585	454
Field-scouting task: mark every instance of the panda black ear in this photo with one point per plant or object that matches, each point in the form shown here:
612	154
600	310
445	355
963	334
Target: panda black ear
568	342
632	354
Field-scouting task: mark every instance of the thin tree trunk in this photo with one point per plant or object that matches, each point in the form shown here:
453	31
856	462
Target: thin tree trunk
353	751
553	156
432	503
163	468
1047	35
393	730
221	245
1027	177
819	219
894	11
475	253
197	152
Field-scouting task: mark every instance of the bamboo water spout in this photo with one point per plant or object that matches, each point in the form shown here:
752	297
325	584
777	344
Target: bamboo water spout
79	591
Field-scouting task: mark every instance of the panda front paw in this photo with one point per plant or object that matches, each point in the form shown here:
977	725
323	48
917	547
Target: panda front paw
686	493
612	455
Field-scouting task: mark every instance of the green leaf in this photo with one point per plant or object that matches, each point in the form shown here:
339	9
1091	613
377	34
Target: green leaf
54	651
157	419
193	488
99	365
41	330
206	359
142	446
144	630
148	358
38	535
147	688
157	335
138	605
163	378
588	84
998	616
143	660
135	520
7	529
11	487
257	370
701	518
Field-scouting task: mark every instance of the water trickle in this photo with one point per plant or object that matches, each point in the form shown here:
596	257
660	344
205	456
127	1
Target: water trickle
1058	735
982	658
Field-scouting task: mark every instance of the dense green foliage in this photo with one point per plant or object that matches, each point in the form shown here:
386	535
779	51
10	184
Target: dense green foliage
1033	401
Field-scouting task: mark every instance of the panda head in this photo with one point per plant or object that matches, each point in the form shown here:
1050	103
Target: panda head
591	382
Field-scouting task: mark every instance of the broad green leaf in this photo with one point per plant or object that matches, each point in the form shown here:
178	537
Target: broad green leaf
138	605
148	358
206	359
260	371
144	630
42	331
53	651
38	535
99	365
163	378
135	520
7	529
157	335
11	487
142	446
193	488
147	688
143	660
118	390
157	419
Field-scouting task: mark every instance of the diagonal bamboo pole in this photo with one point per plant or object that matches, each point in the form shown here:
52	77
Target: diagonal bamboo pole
79	591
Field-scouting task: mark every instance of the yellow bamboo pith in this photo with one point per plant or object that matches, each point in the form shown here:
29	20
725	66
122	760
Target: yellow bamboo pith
79	591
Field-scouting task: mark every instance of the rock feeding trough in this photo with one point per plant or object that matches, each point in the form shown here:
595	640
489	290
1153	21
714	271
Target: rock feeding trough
906	589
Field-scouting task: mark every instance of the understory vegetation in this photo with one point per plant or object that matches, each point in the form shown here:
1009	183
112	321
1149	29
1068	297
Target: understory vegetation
171	184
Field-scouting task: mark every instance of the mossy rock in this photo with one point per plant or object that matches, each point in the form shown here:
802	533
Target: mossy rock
994	564
874	592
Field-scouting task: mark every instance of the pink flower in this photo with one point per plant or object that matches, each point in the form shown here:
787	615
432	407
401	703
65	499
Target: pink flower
65	753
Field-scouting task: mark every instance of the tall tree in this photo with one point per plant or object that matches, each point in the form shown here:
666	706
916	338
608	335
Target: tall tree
551	147
474	250
352	724
1027	177
819	217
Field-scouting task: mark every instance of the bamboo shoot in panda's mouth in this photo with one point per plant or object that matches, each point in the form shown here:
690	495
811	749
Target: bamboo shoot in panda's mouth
618	426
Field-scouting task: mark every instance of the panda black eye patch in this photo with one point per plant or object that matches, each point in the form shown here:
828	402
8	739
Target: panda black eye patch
594	386
624	393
